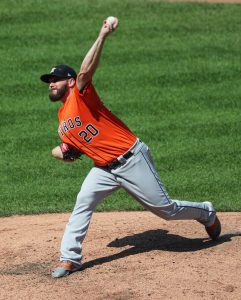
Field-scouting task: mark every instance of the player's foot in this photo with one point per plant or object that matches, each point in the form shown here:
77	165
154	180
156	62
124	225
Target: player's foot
214	230
65	268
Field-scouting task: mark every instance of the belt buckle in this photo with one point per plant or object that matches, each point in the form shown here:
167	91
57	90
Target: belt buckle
117	163
113	165
120	161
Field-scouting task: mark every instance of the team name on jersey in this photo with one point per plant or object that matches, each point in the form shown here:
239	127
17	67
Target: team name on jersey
86	133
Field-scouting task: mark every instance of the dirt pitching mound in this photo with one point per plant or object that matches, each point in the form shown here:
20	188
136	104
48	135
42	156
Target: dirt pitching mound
127	255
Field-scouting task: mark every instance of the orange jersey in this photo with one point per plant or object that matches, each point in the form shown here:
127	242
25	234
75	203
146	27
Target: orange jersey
87	125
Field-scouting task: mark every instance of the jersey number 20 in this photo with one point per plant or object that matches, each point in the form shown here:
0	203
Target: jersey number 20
89	132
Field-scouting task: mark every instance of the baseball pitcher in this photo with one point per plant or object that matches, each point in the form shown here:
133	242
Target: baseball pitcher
121	160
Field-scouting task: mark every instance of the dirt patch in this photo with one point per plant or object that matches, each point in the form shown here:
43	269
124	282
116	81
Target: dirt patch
128	255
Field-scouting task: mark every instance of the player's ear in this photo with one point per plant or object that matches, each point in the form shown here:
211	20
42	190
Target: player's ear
71	82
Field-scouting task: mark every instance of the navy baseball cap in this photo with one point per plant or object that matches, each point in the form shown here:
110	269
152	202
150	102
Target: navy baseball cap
60	71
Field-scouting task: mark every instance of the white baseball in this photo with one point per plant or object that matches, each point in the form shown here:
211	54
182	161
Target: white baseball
111	21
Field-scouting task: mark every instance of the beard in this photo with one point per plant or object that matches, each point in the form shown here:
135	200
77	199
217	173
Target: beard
57	94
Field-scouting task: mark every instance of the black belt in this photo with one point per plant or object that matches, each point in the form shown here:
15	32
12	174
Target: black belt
116	163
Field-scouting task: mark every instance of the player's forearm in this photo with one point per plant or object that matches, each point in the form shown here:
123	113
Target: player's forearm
92	58
57	153
90	62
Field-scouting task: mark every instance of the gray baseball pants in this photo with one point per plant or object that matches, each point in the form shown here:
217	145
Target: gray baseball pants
138	176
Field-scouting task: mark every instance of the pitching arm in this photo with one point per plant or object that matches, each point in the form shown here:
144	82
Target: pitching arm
92	58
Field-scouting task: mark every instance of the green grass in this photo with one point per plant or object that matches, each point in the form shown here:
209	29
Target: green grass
171	72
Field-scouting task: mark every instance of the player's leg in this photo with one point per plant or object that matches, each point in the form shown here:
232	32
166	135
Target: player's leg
139	177
97	185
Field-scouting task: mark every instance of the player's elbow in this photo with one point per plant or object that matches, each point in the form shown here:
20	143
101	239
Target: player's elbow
84	74
82	79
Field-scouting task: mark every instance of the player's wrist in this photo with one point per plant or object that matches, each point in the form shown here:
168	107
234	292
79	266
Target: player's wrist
102	36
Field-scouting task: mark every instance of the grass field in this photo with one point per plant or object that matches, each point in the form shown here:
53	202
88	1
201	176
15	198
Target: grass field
171	72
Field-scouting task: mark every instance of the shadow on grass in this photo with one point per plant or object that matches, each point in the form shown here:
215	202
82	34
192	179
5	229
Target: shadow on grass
157	240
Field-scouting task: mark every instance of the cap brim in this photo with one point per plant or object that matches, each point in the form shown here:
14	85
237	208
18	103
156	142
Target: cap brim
46	77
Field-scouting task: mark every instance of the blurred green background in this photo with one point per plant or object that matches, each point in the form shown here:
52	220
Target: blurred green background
171	72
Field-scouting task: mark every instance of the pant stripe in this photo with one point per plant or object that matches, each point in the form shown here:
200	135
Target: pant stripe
157	179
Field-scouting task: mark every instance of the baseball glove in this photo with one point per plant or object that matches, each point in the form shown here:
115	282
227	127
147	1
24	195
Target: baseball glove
69	153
